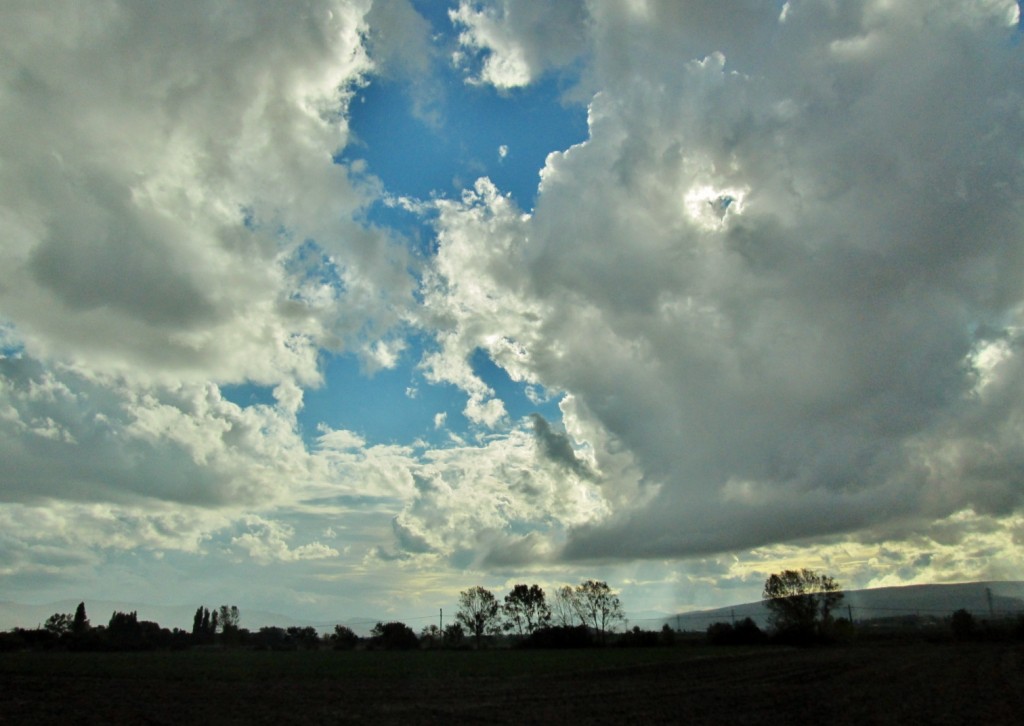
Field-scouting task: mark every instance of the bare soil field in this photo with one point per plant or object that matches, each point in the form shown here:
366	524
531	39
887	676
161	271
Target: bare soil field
903	683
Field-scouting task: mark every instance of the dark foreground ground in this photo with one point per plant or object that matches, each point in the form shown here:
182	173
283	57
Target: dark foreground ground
878	684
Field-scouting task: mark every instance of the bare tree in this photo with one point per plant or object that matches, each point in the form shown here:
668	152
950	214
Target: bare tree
563	607
525	609
598	607
801	601
478	611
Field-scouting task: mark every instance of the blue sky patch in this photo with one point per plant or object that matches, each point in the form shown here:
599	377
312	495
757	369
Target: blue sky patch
476	132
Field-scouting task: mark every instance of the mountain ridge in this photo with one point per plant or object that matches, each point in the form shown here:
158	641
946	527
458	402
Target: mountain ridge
872	603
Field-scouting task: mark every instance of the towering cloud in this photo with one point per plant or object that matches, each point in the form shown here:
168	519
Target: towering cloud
783	272
170	201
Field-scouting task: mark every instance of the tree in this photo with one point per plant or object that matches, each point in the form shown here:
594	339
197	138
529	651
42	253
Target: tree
273	638
744	632
124	631
80	625
394	636
963	625
204	623
205	633
801	602
344	638
478	611
58	623
598	607
563	607
304	637
525	609
453	635
229	618
430	635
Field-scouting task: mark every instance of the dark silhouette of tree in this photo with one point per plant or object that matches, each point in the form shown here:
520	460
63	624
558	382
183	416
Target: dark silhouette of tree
563	607
197	623
80	625
394	636
344	638
58	624
34	639
204	625
305	638
744	632
560	637
801	602
229	617
668	635
963	625
430	636
525	609
454	635
478	611
205	622
637	637
123	621
598	607
124	631
273	638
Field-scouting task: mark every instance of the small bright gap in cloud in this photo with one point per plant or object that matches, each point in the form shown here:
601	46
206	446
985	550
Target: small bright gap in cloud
520	399
248	394
708	207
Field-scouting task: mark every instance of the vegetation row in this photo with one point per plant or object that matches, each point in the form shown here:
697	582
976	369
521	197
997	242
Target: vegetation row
801	604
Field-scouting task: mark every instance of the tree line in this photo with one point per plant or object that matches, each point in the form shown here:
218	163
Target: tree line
575	616
801	605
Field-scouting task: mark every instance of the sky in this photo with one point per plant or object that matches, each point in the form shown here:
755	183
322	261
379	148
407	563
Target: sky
336	308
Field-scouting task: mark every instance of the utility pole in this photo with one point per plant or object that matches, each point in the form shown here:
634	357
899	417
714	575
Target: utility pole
849	611
991	609
440	621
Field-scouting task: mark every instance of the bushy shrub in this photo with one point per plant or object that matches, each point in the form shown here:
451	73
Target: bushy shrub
745	632
637	638
963	625
393	636
560	636
273	638
344	638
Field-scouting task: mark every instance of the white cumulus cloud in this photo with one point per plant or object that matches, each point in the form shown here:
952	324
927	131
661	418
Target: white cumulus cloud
775	274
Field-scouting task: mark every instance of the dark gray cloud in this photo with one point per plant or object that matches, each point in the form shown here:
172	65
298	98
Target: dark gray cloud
557	447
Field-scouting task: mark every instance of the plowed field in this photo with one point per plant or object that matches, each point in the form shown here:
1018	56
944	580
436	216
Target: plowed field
889	684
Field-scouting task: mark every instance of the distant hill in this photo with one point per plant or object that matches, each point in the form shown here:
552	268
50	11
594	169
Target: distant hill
883	602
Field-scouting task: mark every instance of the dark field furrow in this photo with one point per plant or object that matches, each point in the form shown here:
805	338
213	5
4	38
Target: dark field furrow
892	684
